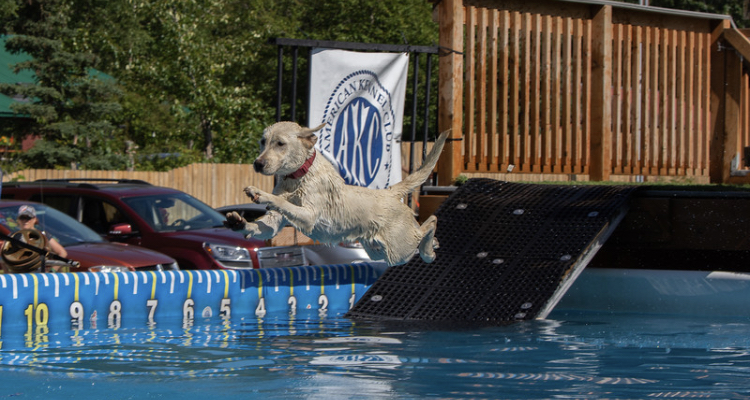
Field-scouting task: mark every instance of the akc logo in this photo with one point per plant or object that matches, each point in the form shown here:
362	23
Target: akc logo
359	125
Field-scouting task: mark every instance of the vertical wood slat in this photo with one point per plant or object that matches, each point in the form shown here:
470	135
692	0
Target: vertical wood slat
546	93
555	103
525	98
663	104
744	117
469	90
577	159
618	152
671	104
680	114
566	95
587	89
493	141
645	136
504	134
654	105
700	150
636	100
481	83
690	103
536	77
706	126
627	76
514	152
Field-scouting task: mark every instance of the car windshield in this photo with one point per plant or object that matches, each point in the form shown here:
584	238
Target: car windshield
66	230
175	212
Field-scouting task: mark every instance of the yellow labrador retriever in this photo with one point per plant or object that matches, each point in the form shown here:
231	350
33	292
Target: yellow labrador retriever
311	195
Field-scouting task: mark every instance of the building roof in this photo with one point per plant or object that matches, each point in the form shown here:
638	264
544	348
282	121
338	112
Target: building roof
7	75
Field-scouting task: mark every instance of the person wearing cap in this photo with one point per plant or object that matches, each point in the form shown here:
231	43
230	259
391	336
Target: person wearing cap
27	220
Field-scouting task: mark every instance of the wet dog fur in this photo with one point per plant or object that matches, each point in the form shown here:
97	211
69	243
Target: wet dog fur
326	209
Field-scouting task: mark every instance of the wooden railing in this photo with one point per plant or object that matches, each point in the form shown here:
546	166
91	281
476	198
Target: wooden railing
591	91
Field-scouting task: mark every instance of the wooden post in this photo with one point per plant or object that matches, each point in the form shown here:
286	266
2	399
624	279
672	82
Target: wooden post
601	95
718	99
450	87
732	116
733	104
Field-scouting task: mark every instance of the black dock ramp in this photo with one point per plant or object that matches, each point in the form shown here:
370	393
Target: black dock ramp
508	252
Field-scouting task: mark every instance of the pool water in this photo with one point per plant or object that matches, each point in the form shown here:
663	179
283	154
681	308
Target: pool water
568	356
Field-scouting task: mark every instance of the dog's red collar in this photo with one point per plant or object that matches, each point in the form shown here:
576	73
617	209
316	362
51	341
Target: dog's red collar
303	169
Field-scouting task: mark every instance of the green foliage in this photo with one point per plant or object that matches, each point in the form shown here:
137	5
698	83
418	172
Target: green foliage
731	7
460	180
47	154
8	9
166	161
107	162
201	75
67	105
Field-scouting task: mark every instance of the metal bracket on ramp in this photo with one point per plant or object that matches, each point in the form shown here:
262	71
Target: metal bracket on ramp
508	252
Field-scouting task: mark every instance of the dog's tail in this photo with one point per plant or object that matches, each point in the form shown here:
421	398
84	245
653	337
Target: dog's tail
414	180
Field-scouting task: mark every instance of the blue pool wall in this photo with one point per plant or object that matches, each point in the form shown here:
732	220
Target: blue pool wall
86	299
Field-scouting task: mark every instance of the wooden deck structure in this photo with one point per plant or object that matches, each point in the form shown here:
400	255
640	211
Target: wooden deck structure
592	90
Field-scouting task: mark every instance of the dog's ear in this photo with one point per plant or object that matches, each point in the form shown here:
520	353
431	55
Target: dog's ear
308	135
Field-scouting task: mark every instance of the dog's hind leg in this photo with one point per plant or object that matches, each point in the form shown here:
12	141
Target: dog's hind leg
374	249
428	244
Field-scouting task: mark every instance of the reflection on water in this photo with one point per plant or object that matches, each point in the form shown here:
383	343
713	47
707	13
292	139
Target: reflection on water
570	356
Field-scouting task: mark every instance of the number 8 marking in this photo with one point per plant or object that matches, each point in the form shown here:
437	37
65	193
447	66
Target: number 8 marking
115	313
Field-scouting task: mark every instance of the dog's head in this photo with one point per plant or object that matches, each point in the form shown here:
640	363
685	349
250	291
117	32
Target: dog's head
284	148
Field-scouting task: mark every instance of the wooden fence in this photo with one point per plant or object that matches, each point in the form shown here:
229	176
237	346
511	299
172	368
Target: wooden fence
215	184
592	90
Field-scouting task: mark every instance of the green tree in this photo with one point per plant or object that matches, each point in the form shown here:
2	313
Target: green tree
7	9
184	59
198	76
69	104
208	64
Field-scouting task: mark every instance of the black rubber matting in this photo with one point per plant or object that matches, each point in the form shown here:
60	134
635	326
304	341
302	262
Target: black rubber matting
508	251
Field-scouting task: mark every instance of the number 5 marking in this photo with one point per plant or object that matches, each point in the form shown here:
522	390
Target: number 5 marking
225	309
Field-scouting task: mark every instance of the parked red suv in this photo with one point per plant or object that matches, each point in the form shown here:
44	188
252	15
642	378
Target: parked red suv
159	218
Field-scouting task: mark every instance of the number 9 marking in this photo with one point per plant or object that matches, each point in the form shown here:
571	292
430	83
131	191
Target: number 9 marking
76	313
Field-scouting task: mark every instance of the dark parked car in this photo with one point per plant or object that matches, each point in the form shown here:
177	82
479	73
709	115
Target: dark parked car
84	245
163	219
314	254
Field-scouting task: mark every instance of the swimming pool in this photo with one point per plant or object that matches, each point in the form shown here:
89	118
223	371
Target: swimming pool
311	356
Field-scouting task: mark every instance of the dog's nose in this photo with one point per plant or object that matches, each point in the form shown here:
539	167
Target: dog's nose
258	165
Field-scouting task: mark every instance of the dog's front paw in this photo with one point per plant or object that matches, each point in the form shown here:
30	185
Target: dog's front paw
234	221
257	195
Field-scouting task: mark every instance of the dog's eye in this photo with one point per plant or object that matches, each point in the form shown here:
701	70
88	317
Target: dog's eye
263	142
280	144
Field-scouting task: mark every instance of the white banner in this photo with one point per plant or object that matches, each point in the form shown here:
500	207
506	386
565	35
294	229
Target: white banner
360	98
